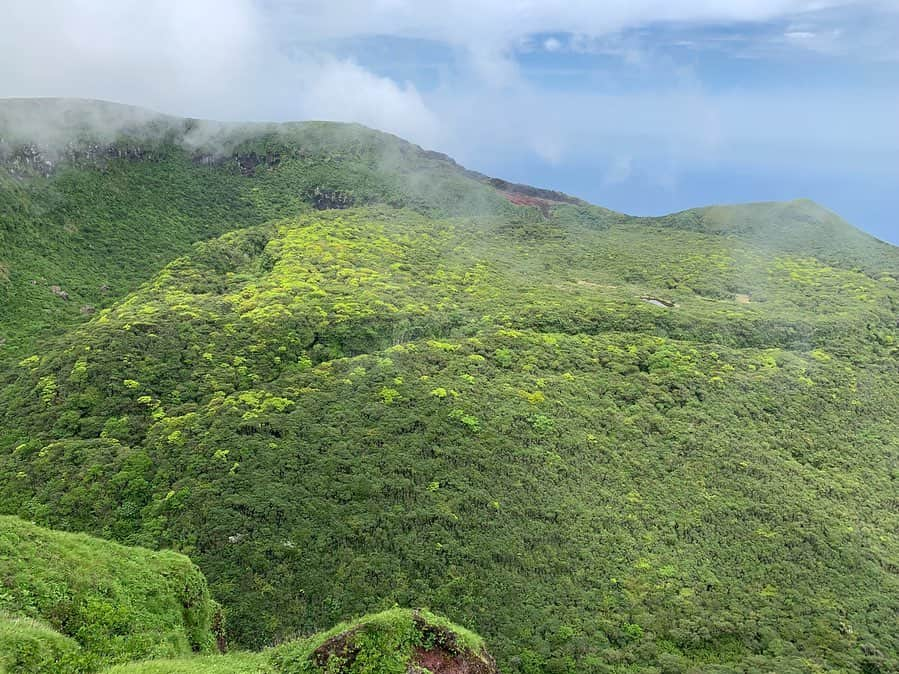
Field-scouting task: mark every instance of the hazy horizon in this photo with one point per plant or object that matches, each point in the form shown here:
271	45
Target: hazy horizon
643	107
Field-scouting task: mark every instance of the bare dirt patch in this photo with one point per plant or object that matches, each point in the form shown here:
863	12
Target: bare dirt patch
544	205
591	284
342	647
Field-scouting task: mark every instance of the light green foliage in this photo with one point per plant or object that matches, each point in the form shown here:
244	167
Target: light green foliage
28	646
388	395
232	663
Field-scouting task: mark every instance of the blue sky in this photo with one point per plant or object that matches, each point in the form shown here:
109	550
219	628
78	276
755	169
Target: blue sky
644	106
824	94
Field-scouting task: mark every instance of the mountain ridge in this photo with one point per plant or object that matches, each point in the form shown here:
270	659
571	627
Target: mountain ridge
327	165
137	115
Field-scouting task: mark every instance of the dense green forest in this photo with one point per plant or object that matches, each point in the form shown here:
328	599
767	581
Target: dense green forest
344	374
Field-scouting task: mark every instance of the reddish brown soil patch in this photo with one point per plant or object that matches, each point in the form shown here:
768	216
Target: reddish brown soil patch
529	191
443	654
524	200
544	205
440	662
340	646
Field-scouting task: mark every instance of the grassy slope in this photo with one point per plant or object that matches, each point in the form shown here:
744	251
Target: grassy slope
28	646
239	663
382	643
800	227
70	603
343	410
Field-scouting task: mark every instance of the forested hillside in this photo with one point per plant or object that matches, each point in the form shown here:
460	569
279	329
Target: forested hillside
343	374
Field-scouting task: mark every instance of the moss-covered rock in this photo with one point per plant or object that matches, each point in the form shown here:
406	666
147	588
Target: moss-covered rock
398	641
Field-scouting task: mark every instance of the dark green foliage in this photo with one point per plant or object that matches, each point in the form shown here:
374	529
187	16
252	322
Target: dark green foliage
71	603
612	444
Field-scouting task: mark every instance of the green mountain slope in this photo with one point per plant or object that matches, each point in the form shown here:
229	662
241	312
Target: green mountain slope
801	227
95	198
71	603
614	444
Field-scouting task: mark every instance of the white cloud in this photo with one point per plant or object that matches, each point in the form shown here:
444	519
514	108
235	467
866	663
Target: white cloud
552	44
152	52
549	148
222	59
274	59
164	51
504	21
343	91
